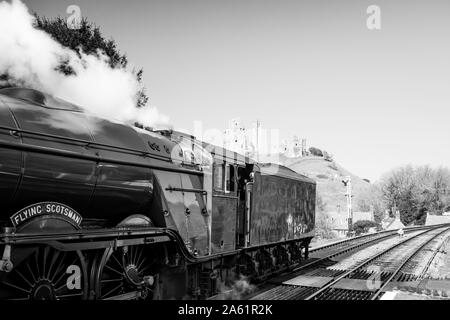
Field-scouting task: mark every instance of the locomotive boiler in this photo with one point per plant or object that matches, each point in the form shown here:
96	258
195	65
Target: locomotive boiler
97	209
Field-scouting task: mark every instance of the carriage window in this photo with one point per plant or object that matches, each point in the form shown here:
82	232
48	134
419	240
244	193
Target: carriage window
229	178
218	177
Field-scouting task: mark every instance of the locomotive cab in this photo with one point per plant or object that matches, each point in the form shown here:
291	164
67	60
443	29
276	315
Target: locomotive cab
231	174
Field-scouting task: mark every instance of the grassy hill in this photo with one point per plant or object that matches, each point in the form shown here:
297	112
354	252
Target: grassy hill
329	176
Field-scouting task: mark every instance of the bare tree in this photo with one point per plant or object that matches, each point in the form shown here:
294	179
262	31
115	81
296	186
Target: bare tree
371	198
415	190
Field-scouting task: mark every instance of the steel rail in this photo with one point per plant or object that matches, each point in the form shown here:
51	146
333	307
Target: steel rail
400	267
364	263
389	233
431	260
337	243
344	250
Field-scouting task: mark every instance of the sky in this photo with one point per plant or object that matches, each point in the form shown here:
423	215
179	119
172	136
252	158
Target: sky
375	99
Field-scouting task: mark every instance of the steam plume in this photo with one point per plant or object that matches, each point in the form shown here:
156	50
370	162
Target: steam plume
238	290
29	57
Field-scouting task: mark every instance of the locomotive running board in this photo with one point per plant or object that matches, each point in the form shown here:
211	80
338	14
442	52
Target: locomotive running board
90	239
116	237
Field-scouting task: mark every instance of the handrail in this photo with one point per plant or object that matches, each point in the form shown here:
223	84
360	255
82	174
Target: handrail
96	158
92	143
87	142
204	192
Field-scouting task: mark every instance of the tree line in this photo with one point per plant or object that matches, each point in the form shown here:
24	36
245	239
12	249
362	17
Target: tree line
412	190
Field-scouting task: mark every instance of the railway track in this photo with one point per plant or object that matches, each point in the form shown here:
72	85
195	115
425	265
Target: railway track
324	252
366	277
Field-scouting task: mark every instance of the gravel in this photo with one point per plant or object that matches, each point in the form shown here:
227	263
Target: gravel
440	266
419	264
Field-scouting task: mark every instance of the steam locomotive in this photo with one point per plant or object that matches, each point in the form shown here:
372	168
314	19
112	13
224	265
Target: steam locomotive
97	209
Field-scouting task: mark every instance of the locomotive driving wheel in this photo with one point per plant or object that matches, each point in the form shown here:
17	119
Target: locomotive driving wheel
124	274
44	273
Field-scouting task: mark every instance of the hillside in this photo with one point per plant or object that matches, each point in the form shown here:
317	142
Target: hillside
329	176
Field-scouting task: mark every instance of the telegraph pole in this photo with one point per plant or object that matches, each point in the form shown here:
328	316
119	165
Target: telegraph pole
348	183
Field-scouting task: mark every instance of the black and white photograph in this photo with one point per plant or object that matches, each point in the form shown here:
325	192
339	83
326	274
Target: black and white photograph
226	155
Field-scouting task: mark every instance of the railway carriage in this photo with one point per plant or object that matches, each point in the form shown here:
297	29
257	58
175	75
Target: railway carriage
97	209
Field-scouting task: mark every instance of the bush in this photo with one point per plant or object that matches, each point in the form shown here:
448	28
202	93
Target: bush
421	217
363	226
316	152
324	229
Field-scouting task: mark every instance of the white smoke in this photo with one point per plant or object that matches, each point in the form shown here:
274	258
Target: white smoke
30	57
238	290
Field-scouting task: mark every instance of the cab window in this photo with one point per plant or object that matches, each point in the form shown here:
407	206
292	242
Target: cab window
224	177
229	178
218	177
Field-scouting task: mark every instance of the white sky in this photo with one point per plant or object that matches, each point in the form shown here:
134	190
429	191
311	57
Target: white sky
375	99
